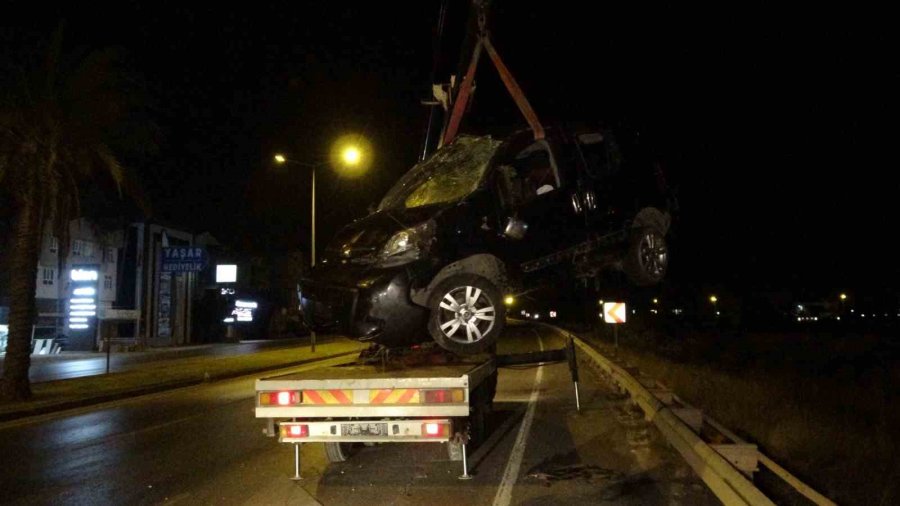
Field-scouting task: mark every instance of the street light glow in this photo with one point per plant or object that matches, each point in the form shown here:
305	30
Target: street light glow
279	158
843	296
509	300
351	155
713	299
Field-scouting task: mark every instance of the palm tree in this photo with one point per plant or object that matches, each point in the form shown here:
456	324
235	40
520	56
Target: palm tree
55	122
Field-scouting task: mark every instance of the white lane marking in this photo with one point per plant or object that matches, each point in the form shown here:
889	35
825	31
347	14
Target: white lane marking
511	474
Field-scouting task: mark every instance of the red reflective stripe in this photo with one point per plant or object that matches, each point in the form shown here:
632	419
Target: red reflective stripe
406	396
382	395
340	396
313	396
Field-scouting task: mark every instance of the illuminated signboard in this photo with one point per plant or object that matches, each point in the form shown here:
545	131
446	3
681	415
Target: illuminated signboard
243	311
82	304
226	273
183	259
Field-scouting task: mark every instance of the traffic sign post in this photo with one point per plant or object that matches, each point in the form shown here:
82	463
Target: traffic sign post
615	313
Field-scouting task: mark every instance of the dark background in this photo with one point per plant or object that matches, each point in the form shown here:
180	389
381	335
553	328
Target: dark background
774	125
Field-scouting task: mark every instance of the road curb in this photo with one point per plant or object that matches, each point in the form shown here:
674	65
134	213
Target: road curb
156	388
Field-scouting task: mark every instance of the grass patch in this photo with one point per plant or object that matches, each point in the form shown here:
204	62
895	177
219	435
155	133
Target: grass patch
812	405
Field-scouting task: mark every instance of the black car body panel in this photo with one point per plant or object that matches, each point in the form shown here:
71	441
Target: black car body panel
458	212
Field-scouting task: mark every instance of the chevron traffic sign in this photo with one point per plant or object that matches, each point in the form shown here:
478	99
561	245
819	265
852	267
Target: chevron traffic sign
614	312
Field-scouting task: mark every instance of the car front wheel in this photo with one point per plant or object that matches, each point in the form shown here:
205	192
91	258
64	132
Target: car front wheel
467	314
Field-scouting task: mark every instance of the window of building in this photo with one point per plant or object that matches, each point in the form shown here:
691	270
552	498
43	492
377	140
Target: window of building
109	255
54	244
107	282
48	275
88	248
77	247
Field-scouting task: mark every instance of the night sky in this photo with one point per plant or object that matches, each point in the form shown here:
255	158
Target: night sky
772	124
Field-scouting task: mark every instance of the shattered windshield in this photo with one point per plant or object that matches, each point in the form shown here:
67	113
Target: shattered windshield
449	175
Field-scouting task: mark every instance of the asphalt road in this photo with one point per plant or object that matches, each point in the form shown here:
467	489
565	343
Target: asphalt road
202	445
69	365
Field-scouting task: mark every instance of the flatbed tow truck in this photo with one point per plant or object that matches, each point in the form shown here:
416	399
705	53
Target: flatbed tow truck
415	395
421	394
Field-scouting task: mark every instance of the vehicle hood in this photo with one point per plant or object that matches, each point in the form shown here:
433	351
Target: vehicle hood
362	240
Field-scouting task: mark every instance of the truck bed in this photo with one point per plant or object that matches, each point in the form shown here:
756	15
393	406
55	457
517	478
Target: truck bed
396	388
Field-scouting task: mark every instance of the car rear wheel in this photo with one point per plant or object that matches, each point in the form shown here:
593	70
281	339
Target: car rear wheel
647	258
467	314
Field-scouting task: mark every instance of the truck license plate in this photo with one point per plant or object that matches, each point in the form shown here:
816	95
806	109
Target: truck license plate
364	429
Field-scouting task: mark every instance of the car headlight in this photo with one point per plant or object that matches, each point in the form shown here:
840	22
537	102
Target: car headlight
407	245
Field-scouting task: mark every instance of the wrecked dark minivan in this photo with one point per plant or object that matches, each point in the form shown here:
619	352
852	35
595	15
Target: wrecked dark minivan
474	222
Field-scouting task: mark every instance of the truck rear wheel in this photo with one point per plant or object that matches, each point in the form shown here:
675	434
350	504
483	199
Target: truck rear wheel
339	452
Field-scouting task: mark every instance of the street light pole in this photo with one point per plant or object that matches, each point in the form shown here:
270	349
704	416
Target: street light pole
312	249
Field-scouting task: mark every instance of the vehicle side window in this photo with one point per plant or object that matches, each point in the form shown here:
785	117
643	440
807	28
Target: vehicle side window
601	157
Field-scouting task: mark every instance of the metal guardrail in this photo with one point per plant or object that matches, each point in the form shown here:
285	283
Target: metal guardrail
724	480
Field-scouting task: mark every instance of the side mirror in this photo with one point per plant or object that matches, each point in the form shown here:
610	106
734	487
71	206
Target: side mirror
515	228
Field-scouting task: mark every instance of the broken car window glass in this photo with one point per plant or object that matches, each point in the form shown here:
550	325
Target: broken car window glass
449	175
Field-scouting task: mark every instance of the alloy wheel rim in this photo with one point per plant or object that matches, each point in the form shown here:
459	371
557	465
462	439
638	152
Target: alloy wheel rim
653	254
467	314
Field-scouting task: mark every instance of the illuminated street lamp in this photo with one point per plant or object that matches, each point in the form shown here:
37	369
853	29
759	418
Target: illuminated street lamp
713	299
509	300
843	297
349	152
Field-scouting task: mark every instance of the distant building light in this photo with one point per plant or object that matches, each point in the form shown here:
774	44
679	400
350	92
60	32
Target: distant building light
82	313
226	273
799	307
852	311
246	303
799	319
653	311
81	301
245	318
84	291
227	291
717	313
78	326
552	314
839	318
656	301
228	320
83	275
863	315
78	320
537	316
83	307
523	313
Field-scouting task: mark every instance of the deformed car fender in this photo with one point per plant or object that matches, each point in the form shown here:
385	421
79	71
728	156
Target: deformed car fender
481	264
652	217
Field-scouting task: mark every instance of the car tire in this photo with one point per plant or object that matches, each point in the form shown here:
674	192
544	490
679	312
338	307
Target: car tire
467	314
647	258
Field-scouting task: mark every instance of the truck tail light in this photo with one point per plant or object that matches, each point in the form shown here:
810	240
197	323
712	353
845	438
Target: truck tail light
294	430
451	395
435	429
283	398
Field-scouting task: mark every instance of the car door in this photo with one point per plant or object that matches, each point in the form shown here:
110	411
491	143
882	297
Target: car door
539	194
